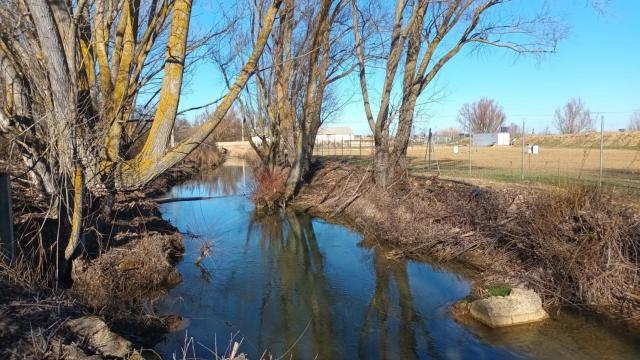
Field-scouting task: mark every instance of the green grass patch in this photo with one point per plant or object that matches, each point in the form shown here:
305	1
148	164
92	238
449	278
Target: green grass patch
500	290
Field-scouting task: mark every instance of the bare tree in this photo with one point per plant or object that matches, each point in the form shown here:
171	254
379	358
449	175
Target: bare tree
634	121
483	116
573	117
514	130
288	100
426	35
69	111
449	132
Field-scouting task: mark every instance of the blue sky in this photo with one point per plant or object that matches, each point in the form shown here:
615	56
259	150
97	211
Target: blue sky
598	60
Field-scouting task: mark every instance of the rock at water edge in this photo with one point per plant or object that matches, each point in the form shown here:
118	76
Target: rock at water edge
521	306
99	337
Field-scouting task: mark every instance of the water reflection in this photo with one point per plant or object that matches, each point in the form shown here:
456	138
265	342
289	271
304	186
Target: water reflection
297	289
234	180
302	288
378	333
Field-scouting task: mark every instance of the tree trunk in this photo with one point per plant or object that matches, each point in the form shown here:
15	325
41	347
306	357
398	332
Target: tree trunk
59	77
382	167
76	219
154	158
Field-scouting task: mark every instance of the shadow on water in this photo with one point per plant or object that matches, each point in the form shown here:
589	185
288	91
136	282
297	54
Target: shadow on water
299	287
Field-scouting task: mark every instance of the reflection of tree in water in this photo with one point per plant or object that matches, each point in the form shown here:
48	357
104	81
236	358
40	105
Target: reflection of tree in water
225	180
299	308
386	334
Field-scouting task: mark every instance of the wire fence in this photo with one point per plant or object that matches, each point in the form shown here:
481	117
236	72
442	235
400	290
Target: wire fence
610	159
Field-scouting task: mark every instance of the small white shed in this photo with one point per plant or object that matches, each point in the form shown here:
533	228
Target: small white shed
492	139
334	134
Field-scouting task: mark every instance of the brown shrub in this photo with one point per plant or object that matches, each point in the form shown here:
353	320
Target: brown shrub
584	242
574	246
269	186
207	156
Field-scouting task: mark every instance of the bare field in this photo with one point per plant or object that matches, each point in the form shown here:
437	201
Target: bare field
621	167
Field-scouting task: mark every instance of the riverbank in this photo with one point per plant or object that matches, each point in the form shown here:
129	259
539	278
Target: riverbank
116	278
572	246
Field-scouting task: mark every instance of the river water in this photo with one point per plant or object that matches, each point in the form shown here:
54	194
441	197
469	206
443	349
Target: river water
299	287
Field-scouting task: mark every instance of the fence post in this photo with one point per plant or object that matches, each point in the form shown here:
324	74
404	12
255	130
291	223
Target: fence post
470	144
522	164
7	245
430	142
601	149
342	145
360	146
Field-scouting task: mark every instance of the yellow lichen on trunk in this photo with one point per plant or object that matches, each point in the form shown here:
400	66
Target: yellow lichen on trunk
158	138
124	56
101	35
76	217
154	158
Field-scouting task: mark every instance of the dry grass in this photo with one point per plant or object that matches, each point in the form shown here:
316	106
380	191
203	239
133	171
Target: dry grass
552	164
584	247
127	259
193	349
572	246
563	162
612	140
143	268
32	319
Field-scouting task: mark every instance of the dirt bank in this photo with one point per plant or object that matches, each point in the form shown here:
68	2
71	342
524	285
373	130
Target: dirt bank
116	277
573	246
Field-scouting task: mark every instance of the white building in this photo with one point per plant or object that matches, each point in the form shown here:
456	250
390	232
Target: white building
492	139
334	134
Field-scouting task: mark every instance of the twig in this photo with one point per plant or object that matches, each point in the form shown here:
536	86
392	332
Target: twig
355	195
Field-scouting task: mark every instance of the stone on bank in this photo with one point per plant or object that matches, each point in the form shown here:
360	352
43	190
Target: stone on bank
100	337
521	306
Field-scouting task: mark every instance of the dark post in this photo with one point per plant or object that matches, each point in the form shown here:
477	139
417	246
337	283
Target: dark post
360	145
429	144
7	246
342	145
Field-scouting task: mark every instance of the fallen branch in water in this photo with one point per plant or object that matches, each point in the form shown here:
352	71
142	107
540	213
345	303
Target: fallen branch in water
193	198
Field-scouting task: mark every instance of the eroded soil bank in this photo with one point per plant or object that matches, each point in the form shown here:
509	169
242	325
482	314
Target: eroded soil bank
576	247
117	277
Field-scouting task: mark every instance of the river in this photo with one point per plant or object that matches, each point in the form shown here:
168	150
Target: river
298	287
